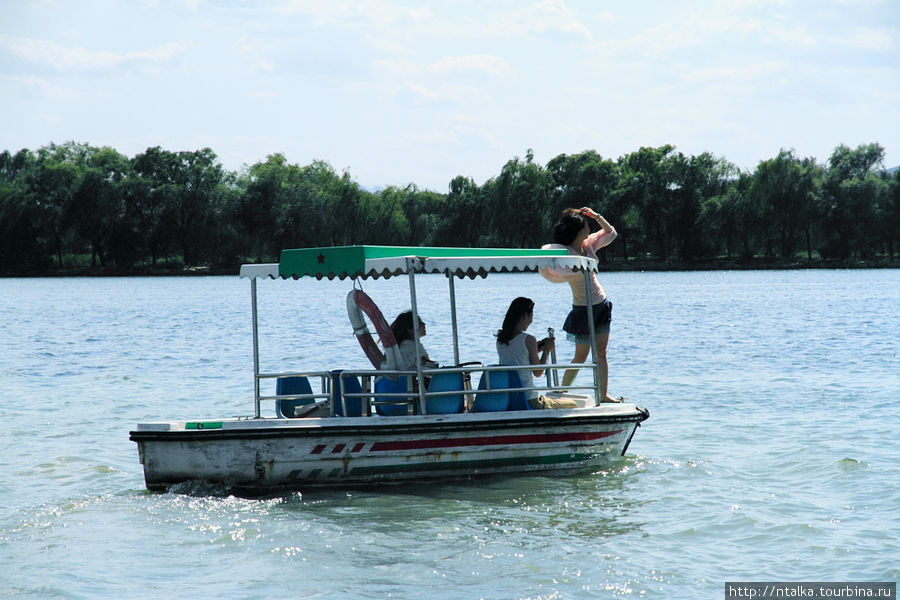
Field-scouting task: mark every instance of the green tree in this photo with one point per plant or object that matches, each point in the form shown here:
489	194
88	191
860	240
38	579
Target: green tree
285	205
461	215
404	216
192	213
892	213
96	210
23	240
156	189
56	178
646	184
262	208
693	180
809	198
519	207
782	192
336	201
183	193
587	179
851	193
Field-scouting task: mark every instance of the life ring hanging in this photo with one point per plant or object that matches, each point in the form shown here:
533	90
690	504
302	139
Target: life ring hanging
359	306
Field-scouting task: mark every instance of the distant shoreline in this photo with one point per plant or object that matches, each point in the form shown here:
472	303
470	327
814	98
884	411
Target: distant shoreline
755	264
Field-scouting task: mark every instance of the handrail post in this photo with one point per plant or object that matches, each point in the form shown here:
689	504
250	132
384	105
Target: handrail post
555	373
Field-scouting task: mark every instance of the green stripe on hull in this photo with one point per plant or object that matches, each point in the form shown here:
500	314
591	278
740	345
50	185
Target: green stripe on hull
203	425
554	459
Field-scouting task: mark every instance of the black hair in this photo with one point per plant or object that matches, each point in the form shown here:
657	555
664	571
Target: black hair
402	325
566	229
517	308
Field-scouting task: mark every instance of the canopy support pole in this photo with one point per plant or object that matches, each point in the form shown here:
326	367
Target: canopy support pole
453	318
410	268
590	316
256	413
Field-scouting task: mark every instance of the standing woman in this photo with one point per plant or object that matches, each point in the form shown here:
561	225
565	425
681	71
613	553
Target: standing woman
573	232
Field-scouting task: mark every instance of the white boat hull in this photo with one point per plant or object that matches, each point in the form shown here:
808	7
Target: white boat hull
267	454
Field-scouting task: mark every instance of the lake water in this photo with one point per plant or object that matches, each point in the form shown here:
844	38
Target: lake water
771	453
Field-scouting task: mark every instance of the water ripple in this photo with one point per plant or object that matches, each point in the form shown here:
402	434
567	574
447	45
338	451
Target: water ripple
769	453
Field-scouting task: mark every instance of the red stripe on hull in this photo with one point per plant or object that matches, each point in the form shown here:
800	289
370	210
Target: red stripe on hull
500	440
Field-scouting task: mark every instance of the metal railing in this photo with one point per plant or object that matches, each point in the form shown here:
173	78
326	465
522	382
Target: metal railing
326	386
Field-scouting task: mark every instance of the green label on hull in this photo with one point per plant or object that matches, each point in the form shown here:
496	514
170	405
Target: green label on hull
203	425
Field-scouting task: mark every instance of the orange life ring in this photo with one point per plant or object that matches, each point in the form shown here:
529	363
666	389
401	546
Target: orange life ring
358	305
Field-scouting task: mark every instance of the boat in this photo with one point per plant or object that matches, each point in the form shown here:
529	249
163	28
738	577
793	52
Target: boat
359	427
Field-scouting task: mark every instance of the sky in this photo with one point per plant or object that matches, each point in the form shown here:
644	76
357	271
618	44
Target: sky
400	92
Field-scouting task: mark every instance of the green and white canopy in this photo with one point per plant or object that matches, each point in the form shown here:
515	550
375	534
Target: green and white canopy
363	262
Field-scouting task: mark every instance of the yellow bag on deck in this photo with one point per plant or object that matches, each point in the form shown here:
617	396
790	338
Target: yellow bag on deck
545	402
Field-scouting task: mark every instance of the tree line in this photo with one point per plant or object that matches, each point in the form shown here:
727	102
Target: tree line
76	207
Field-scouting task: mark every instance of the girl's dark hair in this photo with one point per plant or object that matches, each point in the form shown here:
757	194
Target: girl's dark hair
566	229
518	307
402	325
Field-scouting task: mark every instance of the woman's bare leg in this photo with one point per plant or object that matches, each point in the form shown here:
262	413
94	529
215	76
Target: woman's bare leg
603	366
581	354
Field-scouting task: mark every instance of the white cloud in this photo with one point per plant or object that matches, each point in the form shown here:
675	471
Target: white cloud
257	51
736	74
52	54
876	39
442	89
547	18
50	118
355	13
863	3
392	68
789	34
553	16
31	86
421	93
484	63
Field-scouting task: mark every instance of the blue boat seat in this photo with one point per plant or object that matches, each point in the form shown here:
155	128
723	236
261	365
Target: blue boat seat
291	386
445	405
351	386
517	399
386	385
499	401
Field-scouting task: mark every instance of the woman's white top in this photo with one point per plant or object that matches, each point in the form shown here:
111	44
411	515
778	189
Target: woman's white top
515	353
408	355
592	243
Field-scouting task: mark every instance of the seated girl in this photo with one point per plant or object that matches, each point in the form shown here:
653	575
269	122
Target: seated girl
515	347
406	342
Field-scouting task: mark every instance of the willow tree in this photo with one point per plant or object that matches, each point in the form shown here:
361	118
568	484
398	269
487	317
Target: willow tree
462	214
24	241
518	201
586	179
646	180
850	195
